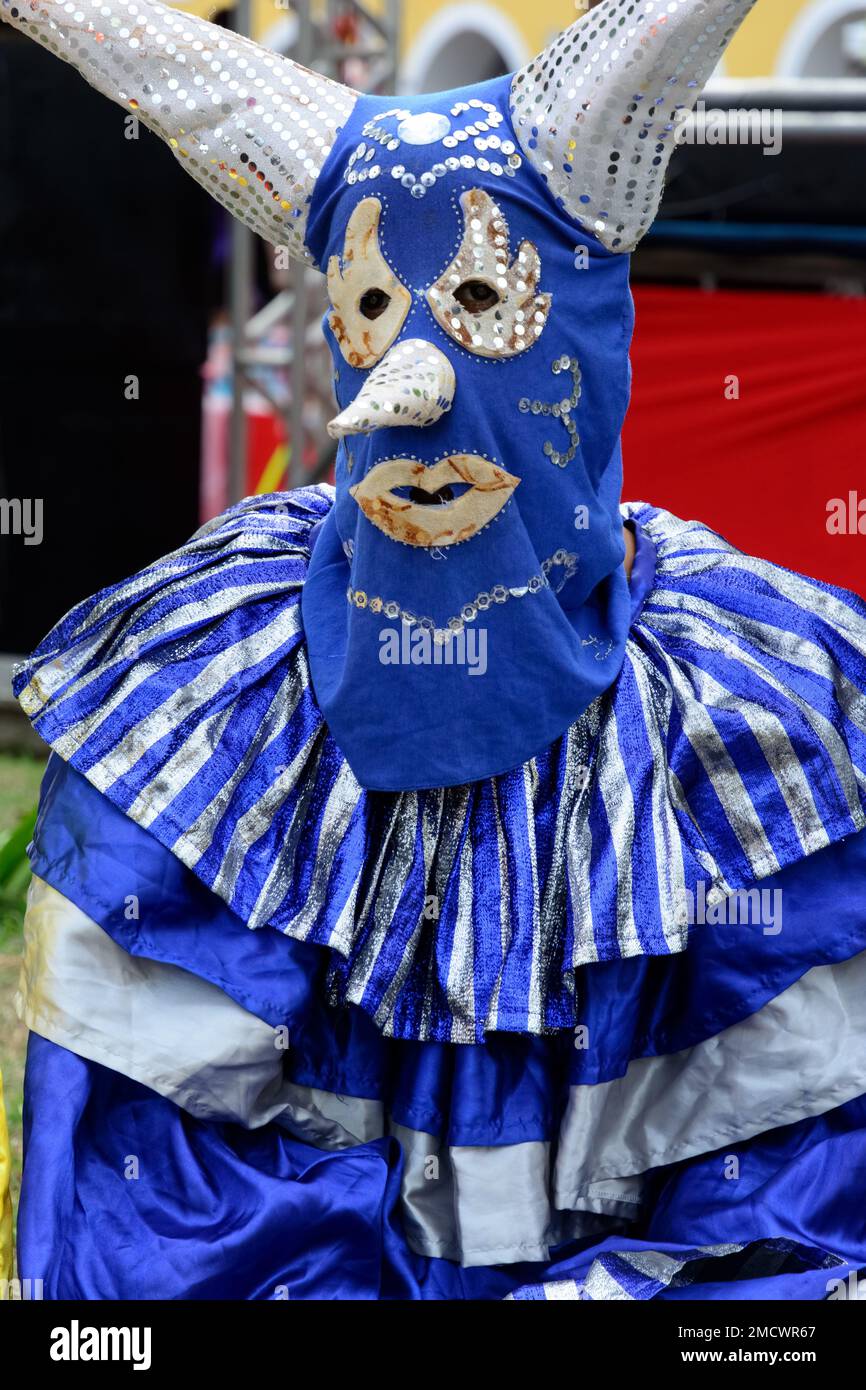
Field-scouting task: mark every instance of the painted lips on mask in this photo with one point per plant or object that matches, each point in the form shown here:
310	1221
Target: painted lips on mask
465	493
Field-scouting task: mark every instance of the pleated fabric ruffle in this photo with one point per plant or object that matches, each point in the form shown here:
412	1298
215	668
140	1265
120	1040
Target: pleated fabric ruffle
510	1147
218	1211
732	745
156	909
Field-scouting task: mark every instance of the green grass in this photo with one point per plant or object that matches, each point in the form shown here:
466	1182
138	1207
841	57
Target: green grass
19	790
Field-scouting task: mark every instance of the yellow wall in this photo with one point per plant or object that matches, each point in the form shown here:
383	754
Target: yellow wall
755	50
538	20
753	53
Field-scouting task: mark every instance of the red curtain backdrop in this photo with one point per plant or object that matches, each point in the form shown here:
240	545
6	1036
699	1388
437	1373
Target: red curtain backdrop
760	469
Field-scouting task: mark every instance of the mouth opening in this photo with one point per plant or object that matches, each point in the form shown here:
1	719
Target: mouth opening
440	498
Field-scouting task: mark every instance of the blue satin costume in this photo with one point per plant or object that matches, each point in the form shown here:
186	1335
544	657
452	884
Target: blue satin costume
357	980
221	1209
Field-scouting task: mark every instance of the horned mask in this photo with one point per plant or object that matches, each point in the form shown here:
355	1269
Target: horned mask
466	599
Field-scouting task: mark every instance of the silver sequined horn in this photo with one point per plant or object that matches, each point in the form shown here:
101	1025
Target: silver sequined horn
252	127
596	113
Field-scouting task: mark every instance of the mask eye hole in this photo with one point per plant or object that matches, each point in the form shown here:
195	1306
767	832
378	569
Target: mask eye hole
476	296
373	303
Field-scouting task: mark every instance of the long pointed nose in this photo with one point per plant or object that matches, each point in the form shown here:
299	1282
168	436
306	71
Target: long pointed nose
412	385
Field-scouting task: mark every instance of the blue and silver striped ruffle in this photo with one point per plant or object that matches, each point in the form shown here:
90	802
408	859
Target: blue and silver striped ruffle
732	744
637	1273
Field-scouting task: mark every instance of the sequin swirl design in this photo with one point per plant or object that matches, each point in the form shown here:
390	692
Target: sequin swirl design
500	593
561	410
369	159
596	112
252	127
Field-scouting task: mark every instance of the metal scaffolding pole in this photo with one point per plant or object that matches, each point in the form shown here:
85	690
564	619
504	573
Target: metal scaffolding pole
330	35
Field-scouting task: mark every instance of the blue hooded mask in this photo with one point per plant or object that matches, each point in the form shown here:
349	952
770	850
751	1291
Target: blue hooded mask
466	597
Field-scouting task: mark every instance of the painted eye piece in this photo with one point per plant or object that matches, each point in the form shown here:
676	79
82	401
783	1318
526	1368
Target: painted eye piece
365	327
373	303
482	277
476	296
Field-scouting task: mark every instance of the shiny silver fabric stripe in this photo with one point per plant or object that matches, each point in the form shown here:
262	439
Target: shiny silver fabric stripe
461	967
184	699
433	806
118	599
339	808
616	794
824	729
397	851
535	1001
814	600
45	685
579	856
77	735
600	1286
504	905
667	835
338	811
561	1290
555	1291
773	739
671	534
441	840
198	838
380	852
255	821
663	1268
553	918
786	766
710	749
698	846
198	614
181	769
777	642
677	537
396	874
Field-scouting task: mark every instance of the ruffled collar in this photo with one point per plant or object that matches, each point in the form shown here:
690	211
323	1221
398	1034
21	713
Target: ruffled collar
732	743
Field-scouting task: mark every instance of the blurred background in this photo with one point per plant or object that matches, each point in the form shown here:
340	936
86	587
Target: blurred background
157	363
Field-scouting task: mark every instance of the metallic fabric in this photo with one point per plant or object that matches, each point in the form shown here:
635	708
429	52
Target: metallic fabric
597	112
732	744
620	1276
412	385
478	1203
484	254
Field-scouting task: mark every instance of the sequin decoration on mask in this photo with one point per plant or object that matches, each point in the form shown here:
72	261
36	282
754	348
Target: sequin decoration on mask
384	135
412	385
565	560
365	335
597	112
437	505
515	315
561	410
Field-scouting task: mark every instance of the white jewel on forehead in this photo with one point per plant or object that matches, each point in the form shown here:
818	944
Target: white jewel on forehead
423	128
